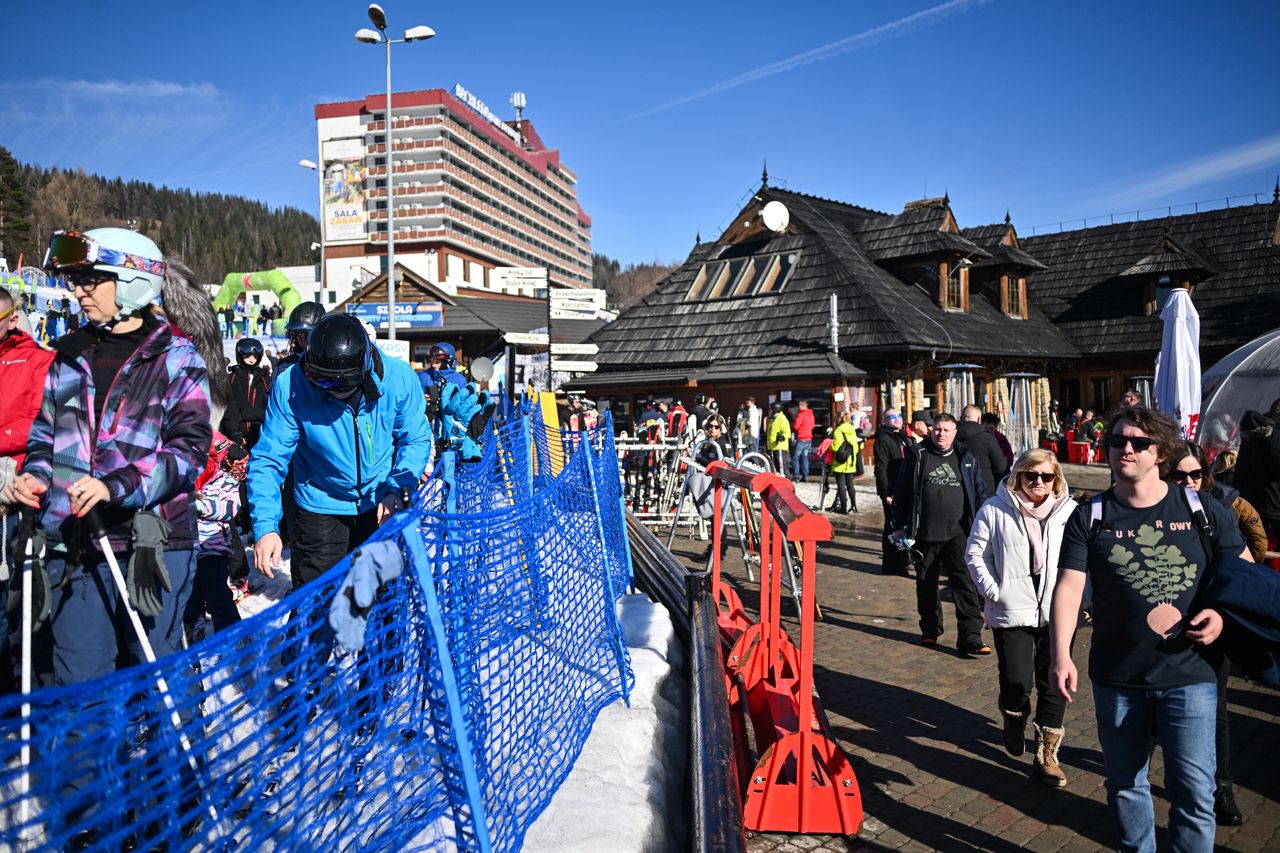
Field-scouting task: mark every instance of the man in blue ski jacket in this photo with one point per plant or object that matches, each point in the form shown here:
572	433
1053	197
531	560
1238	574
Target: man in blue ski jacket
352	424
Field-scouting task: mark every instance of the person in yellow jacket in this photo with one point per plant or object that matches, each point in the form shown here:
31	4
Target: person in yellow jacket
844	462
778	439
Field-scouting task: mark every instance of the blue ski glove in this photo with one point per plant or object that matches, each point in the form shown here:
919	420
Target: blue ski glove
372	566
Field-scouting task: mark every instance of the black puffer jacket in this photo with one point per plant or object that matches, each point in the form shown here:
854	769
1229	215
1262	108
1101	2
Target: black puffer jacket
1258	466
891	448
986	450
250	388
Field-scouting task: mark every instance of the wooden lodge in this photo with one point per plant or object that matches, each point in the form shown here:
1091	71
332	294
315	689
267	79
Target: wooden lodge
932	315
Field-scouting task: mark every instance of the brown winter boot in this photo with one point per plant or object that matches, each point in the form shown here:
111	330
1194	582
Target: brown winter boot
1015	731
1046	763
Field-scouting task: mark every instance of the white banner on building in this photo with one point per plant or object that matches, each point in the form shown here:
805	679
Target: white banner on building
345	213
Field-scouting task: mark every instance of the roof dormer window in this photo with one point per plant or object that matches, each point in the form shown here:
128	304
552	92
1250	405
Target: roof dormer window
1013	292
953	286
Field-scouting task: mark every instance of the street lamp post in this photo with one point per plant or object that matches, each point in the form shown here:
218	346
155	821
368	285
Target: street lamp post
309	164
367	36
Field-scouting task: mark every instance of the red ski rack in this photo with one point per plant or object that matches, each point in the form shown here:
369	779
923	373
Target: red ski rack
801	781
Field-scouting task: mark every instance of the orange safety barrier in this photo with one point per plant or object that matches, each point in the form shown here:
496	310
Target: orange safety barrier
802	781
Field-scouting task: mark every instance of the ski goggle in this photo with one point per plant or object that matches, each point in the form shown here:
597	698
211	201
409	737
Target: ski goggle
339	382
71	249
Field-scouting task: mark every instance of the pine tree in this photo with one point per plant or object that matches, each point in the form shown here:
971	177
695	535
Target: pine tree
15	209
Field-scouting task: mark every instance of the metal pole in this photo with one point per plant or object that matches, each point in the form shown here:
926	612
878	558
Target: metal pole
550	362
391	204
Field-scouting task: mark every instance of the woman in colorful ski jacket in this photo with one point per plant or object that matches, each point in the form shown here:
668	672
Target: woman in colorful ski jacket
124	428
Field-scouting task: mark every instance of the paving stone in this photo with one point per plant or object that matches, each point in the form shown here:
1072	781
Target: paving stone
921	730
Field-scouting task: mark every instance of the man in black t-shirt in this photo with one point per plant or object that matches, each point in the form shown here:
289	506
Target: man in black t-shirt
938	493
1151	660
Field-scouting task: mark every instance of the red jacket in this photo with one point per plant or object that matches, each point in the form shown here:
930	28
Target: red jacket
804	425
23	366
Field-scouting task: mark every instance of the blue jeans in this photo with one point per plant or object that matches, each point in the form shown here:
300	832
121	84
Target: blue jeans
800	459
1184	719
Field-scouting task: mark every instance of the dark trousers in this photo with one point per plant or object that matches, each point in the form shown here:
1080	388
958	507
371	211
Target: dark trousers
893	560
948	557
210	593
1023	658
323	540
844	492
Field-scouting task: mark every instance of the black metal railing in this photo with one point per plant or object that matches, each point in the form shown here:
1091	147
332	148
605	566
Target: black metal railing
715	803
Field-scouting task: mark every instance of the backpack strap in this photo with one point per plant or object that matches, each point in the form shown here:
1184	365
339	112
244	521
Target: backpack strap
1201	519
1095	516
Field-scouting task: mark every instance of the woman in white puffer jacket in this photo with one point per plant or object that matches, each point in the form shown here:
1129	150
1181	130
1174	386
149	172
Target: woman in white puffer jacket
1012	556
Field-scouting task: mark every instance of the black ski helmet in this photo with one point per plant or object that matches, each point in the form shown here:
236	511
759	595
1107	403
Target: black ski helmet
699	399
302	320
338	355
246	347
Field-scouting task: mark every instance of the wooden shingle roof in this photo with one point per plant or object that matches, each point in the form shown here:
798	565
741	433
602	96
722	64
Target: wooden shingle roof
879	311
1089	296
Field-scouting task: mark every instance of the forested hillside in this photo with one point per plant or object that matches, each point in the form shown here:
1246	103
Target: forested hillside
214	233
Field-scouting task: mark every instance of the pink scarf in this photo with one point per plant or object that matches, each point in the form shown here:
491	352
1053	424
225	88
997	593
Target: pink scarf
1035	517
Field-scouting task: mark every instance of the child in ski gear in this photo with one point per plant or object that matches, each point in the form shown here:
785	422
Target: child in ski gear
217	503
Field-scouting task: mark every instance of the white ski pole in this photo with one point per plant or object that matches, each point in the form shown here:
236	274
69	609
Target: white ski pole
27	527
100	534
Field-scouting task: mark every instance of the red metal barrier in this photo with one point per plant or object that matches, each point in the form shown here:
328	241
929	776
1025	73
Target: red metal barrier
802	781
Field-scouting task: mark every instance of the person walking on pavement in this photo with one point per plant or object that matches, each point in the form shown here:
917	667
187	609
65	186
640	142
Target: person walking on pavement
1191	469
844	461
351	422
699	414
1012	556
804	443
755	418
991	423
890	450
778	441
983	446
938	494
1258	467
1146	547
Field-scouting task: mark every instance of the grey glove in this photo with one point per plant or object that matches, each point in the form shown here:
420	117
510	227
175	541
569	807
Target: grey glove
147	578
372	566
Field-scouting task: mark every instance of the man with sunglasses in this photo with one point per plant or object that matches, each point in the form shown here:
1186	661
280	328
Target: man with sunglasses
1151	659
351	423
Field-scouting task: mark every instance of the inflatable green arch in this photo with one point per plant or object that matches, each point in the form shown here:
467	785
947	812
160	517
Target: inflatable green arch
237	283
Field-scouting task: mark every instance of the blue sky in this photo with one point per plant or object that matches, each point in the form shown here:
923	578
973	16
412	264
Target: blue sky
1053	110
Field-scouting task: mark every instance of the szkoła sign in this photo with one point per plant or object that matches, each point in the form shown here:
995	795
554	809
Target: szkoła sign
412	315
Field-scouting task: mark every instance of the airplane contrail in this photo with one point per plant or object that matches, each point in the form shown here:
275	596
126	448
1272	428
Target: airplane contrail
893	29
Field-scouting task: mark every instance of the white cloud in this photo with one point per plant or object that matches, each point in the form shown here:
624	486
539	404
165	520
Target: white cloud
867	38
1221	164
149	90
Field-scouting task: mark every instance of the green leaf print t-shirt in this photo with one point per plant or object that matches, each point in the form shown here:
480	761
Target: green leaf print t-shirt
1146	566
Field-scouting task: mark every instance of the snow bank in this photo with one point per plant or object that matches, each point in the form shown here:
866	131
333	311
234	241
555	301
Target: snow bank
627	790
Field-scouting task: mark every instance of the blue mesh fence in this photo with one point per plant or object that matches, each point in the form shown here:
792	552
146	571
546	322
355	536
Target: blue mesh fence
485	664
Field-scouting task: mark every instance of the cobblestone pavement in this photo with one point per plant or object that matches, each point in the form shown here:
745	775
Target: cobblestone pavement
919	725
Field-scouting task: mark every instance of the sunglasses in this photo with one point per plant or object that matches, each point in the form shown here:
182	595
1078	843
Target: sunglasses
1141	444
1197	474
1039	476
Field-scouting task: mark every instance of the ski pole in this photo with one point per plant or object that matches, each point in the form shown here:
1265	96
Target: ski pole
27	531
98	532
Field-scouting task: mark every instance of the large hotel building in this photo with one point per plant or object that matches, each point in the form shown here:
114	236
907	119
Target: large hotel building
473	193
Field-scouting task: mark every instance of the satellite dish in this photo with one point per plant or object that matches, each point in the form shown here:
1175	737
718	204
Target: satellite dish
776	216
482	370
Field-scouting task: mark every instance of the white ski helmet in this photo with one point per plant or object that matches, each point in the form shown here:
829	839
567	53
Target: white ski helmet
137	284
134	260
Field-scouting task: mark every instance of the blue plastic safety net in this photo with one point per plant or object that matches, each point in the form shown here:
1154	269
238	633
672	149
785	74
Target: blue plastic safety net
485	663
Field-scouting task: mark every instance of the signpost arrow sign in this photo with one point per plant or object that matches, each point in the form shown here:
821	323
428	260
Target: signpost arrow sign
575	349
576	366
